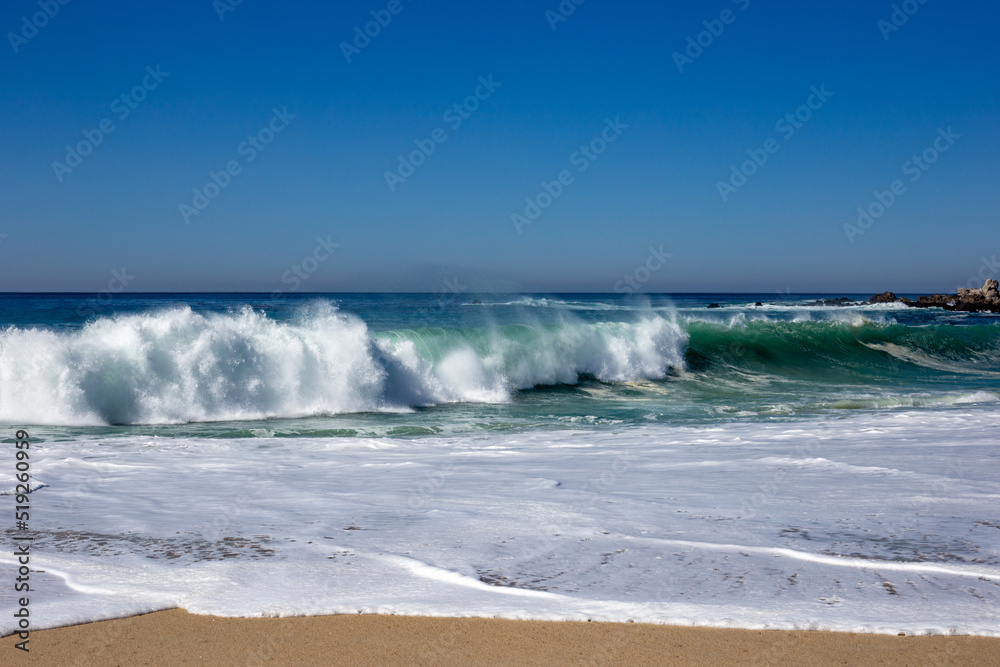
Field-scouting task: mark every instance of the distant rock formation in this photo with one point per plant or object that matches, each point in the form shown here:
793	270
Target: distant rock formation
884	297
985	299
988	292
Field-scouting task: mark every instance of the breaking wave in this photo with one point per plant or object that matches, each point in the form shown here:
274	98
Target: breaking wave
175	366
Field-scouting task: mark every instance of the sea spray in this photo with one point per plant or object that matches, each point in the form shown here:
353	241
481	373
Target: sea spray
177	365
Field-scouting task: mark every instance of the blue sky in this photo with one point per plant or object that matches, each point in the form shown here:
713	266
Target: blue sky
887	95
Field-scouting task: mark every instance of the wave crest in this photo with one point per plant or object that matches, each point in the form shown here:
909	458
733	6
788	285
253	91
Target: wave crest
178	366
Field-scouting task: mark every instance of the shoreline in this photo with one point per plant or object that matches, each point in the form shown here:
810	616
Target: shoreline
182	638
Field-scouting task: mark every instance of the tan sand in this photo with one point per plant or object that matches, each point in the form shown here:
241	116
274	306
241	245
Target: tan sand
178	638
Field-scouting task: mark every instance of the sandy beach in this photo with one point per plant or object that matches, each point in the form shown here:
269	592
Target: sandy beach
176	637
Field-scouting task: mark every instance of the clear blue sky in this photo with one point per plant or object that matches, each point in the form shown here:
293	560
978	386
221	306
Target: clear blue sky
324	174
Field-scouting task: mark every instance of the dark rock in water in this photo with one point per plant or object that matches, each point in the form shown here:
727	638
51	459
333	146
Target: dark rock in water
842	301
714	305
758	304
961	306
968	300
476	302
932	301
884	297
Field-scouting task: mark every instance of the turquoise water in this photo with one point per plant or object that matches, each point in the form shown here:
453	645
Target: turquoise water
409	365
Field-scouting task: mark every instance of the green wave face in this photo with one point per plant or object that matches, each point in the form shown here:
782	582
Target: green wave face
837	352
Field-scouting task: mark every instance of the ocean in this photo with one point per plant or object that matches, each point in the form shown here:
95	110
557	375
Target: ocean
568	456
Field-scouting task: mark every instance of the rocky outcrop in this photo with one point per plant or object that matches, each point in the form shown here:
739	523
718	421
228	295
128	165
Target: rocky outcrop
972	300
988	292
884	297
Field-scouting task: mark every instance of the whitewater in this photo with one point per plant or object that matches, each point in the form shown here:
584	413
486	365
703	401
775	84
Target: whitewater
558	457
180	366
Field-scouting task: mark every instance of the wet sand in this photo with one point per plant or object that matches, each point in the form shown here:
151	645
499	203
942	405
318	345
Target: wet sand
176	637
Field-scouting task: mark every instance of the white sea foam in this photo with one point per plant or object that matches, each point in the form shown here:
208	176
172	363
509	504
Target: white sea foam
749	306
178	366
736	317
914	401
832	523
